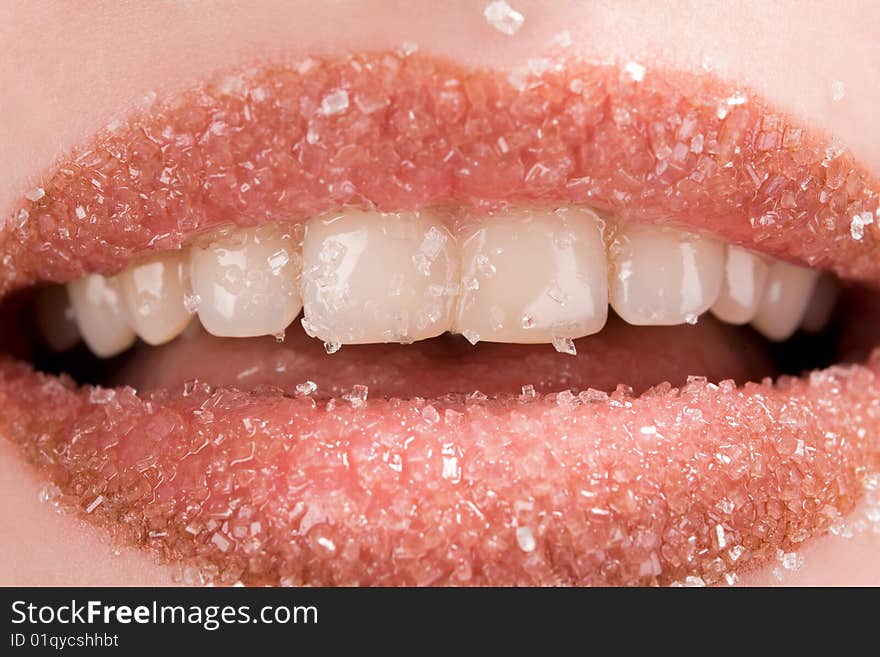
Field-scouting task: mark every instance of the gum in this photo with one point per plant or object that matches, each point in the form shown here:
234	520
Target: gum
678	485
278	143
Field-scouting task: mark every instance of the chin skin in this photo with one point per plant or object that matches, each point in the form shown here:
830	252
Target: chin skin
155	48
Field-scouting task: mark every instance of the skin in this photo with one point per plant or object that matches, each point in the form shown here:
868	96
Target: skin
64	74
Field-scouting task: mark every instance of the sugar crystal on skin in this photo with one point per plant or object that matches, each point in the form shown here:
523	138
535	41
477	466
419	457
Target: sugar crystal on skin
504	18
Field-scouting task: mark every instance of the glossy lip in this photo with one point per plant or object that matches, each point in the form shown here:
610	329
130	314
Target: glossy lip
697	482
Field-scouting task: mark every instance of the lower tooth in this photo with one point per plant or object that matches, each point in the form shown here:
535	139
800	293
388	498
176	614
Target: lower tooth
663	276
372	277
744	276
154	293
786	297
533	276
246	283
55	318
100	314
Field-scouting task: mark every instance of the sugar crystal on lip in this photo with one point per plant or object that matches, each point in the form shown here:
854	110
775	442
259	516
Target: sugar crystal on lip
358	396
306	388
35	194
332	346
635	71
525	539
335	102
858	223
528	393
504	18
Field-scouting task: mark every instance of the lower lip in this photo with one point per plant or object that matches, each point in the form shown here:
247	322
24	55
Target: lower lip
697	482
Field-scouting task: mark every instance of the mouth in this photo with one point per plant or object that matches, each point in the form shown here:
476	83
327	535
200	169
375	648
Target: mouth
385	320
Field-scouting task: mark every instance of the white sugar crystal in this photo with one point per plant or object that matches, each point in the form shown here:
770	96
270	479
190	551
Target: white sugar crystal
471	336
525	539
191	302
358	396
332	346
691	319
791	561
528	321
503	17
431	246
528	393
838	90
736	552
563	39
335	102
430	415
858	223
35	194
306	388
635	71
694	581
564	345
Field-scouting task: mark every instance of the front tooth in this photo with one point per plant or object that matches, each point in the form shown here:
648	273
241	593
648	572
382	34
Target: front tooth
154	293
245	284
100	314
533	276
786	297
373	277
55	318
744	277
663	276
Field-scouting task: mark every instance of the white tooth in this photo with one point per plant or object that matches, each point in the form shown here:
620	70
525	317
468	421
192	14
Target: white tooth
55	318
786	296
246	282
153	293
373	277
744	276
100	314
533	276
663	276
821	305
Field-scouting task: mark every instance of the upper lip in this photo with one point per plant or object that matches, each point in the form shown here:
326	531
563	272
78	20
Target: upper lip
266	145
671	148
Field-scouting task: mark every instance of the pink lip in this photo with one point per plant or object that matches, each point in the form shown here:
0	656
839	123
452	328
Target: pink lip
698	481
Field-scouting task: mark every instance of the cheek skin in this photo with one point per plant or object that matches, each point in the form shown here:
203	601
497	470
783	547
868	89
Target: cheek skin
41	547
147	49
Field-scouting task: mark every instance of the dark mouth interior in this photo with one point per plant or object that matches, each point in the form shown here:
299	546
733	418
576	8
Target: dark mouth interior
635	356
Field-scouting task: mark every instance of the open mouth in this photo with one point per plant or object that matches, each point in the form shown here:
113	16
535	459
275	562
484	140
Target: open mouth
384	320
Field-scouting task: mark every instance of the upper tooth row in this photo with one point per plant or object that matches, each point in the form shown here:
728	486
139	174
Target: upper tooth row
524	276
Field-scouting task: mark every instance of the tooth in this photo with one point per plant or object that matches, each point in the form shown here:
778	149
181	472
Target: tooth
378	277
821	305
246	283
786	296
663	276
55	318
533	276
744	276
100	314
153	293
